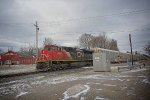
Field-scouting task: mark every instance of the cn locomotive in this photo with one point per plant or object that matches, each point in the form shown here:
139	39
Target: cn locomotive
54	57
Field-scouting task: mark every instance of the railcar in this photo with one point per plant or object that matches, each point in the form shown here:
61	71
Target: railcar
116	56
54	57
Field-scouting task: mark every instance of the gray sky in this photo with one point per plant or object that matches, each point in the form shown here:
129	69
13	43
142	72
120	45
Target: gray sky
65	20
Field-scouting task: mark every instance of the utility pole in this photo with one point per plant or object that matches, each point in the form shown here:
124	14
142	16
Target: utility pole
37	29
131	48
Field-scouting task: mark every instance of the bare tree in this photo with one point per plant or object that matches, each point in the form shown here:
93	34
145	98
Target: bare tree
89	41
147	48
102	40
93	42
28	51
84	40
113	45
47	41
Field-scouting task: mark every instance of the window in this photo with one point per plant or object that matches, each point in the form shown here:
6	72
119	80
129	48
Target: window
51	49
59	48
78	54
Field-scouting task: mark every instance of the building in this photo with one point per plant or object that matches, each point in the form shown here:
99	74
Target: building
14	58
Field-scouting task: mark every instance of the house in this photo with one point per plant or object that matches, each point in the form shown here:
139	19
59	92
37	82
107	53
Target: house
14	58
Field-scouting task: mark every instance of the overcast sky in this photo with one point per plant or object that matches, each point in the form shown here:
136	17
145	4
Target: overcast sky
65	20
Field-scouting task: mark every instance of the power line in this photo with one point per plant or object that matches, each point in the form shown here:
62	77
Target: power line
97	32
101	16
86	18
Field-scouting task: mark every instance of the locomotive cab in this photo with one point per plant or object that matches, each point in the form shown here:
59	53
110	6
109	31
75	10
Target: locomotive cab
52	52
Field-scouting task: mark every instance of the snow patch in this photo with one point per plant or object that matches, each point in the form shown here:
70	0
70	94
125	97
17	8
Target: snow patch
122	76
121	79
82	98
100	98
142	76
73	78
21	93
87	67
109	85
130	92
88	83
39	77
17	88
100	89
22	80
97	83
146	81
136	70
103	77
76	91
55	80
122	88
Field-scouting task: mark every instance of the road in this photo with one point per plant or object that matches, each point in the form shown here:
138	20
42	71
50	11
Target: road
78	84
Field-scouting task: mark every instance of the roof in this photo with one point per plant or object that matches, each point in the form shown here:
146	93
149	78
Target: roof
11	52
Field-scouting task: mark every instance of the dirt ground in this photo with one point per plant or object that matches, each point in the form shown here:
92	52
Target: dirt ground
78	84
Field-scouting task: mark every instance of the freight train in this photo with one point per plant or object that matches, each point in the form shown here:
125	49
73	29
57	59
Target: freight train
54	57
114	56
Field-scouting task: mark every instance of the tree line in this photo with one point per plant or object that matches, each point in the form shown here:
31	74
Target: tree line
88	41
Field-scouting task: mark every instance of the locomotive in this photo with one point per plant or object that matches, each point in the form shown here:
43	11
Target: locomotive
54	57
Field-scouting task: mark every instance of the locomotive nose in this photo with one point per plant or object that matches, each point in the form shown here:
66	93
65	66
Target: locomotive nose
44	55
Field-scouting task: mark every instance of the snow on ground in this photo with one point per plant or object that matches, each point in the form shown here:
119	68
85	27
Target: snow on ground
23	86
100	89
20	87
146	81
87	67
55	80
109	85
97	83
142	76
22	80
123	88
130	92
16	88
136	70
76	91
100	98
21	93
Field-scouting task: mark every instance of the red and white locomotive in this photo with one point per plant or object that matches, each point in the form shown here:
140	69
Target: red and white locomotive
59	57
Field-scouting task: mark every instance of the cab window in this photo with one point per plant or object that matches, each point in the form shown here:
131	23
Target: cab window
51	49
59	49
79	54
